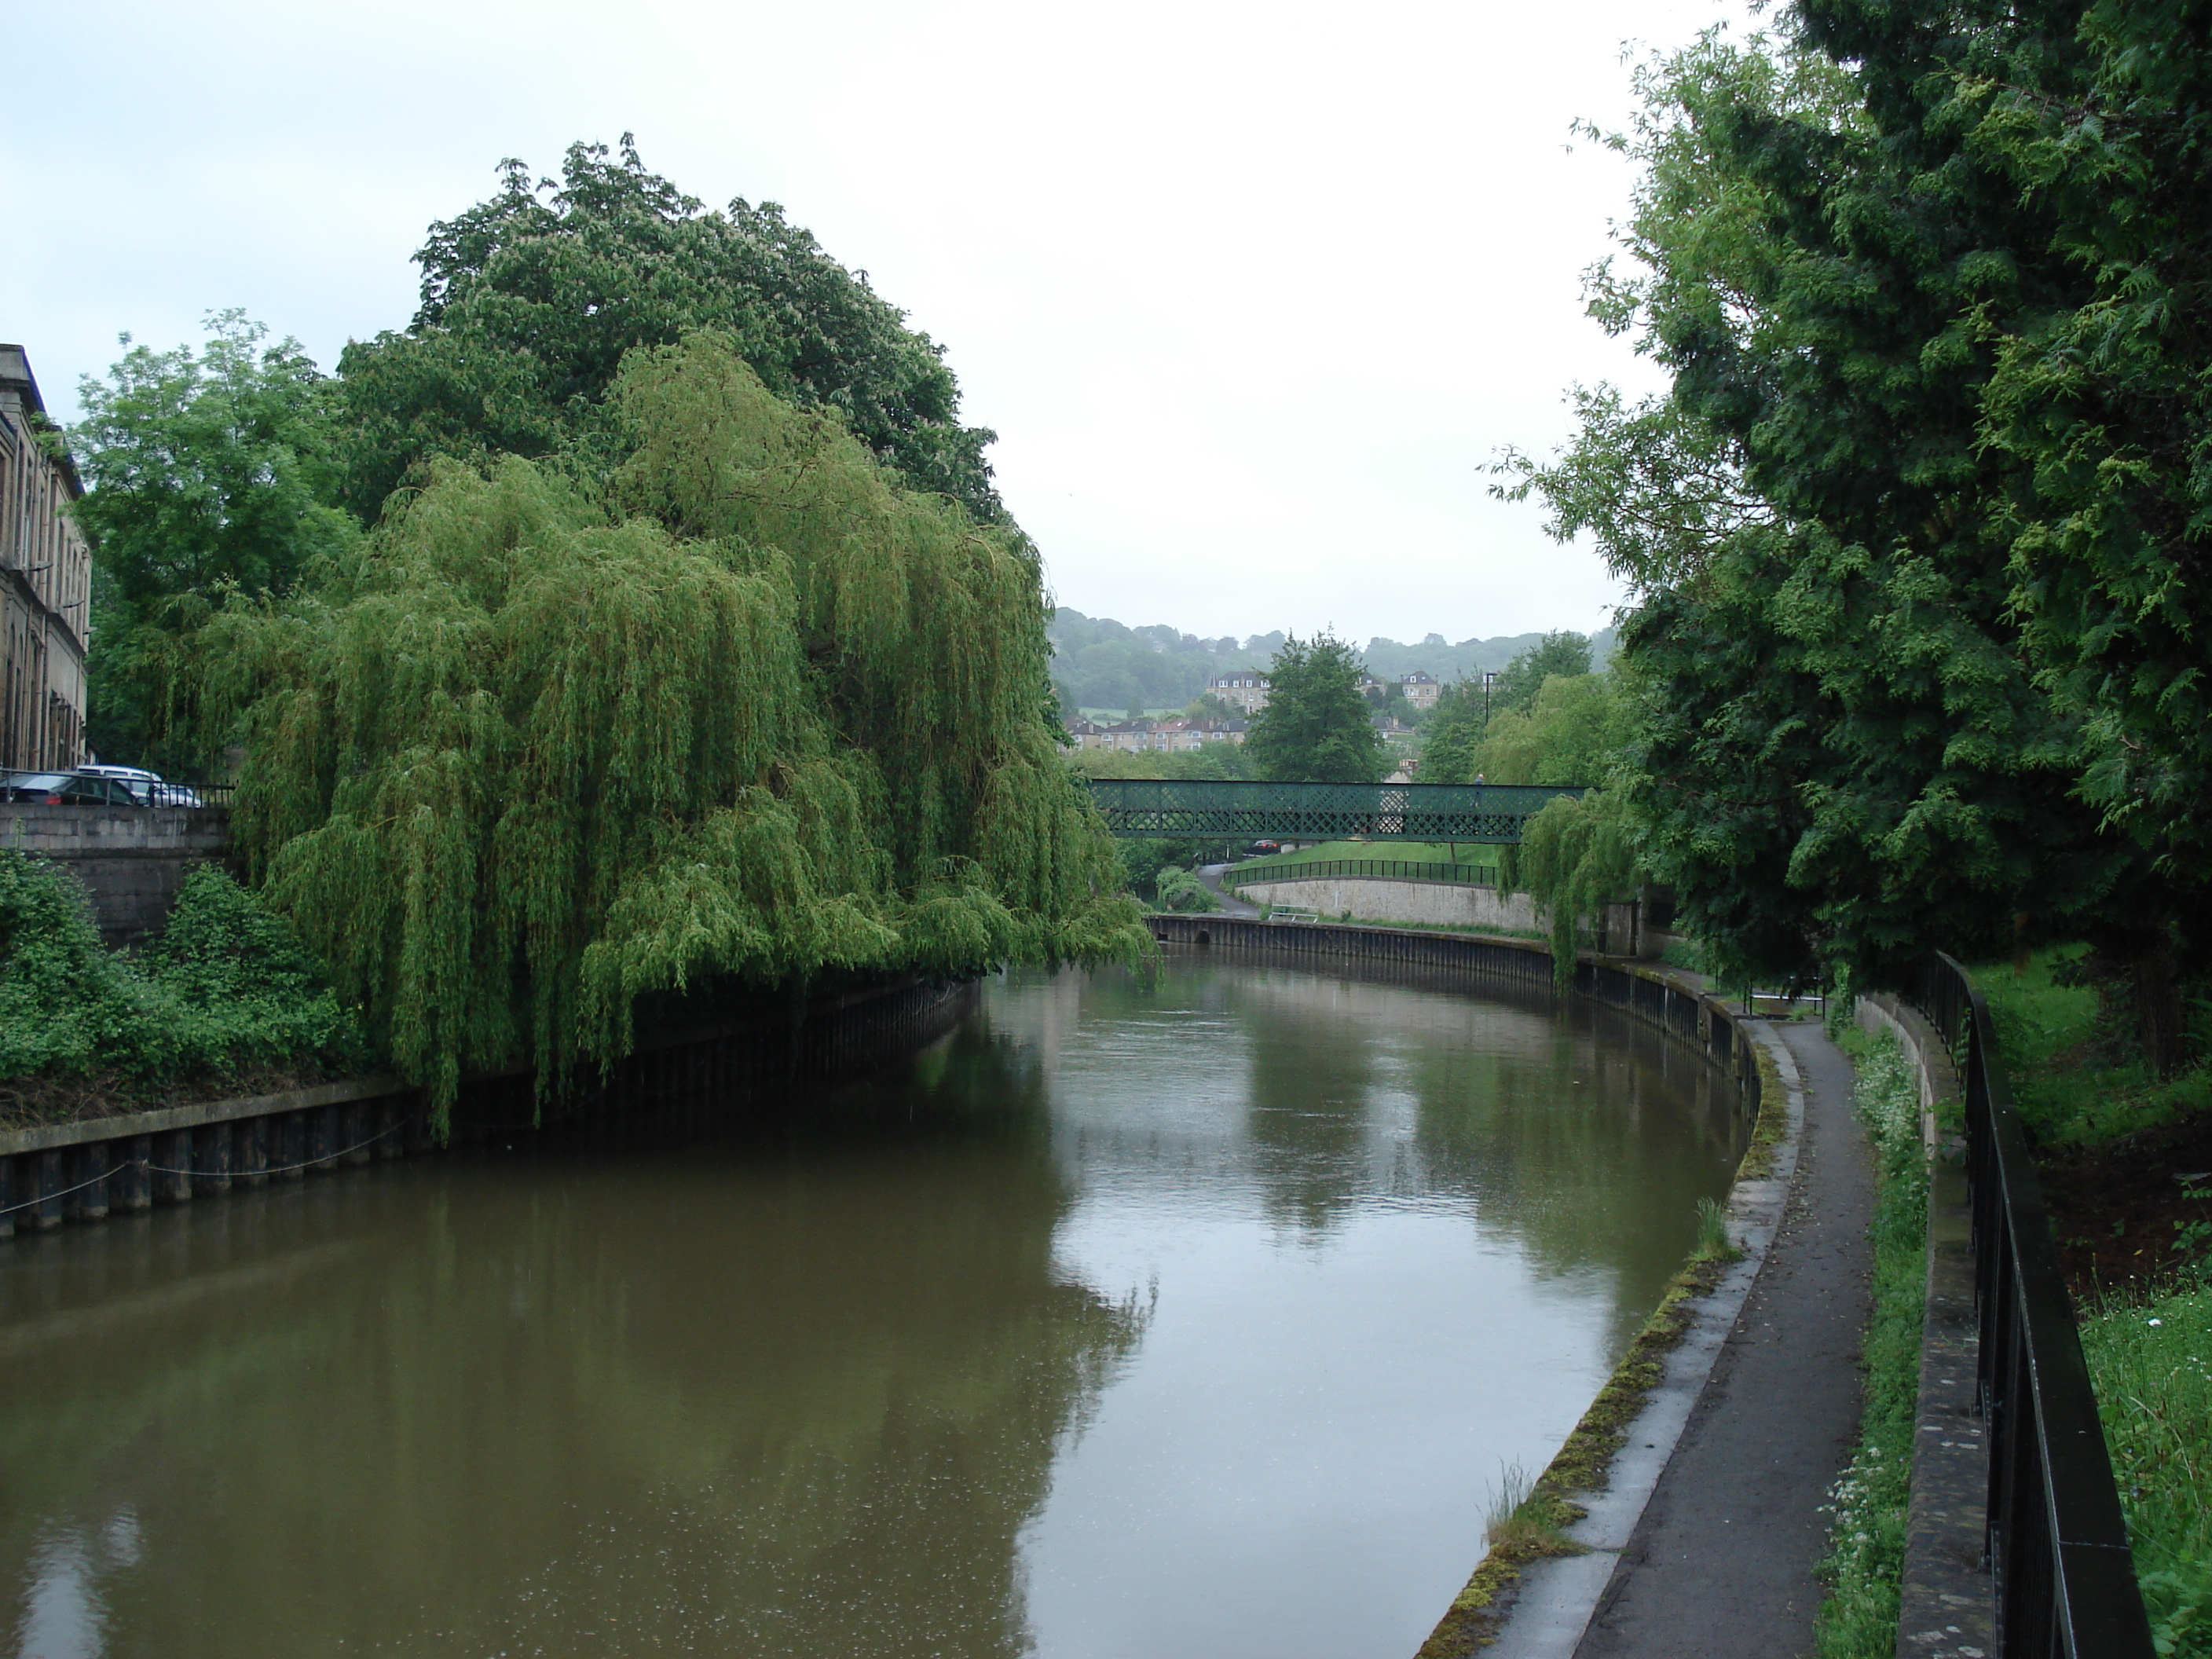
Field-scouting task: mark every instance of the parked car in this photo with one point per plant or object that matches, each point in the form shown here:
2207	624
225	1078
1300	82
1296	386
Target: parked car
68	789
1262	849
147	788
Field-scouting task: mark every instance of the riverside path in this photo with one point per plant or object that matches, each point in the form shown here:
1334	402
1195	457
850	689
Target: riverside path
1721	1564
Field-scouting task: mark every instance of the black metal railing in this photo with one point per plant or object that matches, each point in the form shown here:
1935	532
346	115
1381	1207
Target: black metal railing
2063	1576
1465	875
74	788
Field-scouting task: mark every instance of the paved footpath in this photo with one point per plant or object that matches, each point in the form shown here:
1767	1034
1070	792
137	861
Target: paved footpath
1209	876
1721	1564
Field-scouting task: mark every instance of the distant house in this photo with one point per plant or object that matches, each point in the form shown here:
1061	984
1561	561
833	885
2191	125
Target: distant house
1088	734
1421	688
1246	689
45	586
1372	688
1185	736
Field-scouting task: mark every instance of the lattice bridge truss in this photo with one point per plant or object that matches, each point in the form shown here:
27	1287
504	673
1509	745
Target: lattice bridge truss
1491	812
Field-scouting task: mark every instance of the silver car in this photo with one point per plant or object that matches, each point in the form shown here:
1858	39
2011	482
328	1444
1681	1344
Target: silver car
147	788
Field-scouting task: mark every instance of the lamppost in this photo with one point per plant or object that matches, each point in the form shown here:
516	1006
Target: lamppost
1489	679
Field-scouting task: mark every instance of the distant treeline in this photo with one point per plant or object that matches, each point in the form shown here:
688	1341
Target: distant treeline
1099	663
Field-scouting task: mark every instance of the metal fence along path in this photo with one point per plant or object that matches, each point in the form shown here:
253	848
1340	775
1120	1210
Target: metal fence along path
1491	812
2064	1577
1460	875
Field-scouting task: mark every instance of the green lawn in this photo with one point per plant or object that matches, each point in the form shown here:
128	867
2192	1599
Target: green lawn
2068	1088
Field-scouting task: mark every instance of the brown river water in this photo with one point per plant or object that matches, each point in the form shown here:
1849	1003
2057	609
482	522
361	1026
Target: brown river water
1195	1317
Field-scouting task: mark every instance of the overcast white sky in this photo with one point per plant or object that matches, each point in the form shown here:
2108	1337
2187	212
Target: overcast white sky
1251	293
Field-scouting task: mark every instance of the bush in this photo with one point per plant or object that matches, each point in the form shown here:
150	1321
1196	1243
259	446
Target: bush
1181	890
225	989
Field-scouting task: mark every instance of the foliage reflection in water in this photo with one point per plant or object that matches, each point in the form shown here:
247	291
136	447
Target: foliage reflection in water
1194	1315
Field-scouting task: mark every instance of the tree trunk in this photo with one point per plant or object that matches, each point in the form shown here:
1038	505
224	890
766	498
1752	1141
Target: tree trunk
2137	975
2161	1025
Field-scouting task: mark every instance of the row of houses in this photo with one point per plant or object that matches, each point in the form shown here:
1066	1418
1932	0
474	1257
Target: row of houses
1247	689
1180	736
45	585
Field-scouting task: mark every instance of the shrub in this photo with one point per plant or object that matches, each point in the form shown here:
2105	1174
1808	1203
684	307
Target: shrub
1181	890
226	988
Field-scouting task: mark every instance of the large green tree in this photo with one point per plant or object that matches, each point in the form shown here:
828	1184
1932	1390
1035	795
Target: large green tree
531	299
1460	725
1849	752
1563	654
546	757
1317	725
209	473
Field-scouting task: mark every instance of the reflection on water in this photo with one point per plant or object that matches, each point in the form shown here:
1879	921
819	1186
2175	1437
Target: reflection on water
1194	1315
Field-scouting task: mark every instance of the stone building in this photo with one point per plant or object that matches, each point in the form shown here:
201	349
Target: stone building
1421	688
1246	688
45	586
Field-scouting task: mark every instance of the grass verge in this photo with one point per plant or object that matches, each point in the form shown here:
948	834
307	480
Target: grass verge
2121	1156
1470	854
2075	1083
1866	1537
2151	1362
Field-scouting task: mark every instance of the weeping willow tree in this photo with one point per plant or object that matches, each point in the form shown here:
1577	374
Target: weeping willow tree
538	754
1577	855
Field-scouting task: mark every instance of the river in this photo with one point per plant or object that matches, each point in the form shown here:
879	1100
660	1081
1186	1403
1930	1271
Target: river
1198	1314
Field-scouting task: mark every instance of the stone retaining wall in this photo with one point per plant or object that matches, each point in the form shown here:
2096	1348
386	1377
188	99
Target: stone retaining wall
131	859
1657	996
1383	898
1617	931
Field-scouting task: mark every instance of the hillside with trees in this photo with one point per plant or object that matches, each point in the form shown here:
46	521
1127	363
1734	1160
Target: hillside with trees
1099	663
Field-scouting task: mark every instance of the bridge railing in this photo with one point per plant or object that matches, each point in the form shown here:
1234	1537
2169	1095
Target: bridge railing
1257	870
1237	808
2064	1575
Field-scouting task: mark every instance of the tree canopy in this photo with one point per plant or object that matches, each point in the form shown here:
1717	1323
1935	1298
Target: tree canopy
1867	729
1563	654
531	299
1316	726
541	756
207	474
1458	748
1574	730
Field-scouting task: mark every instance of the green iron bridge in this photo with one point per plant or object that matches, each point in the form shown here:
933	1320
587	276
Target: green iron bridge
1493	812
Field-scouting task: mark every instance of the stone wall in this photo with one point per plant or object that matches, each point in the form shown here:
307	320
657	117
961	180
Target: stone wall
1383	898
131	859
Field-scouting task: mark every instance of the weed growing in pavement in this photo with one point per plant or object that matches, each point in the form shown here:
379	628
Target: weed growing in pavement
1713	1244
